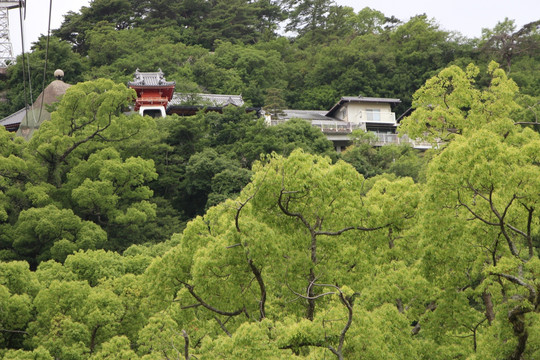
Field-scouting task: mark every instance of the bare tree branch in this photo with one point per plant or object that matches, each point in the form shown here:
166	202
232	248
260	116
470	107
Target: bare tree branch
514	279
222	326
309	297
285	210
348	305
232	246
14	331
239	209
186	346
262	287
209	307
242	204
339	351
476	216
515	316
499	216
82	141
190	306
339	232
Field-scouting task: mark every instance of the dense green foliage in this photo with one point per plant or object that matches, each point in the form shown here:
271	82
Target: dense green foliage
93	177
301	256
330	51
215	236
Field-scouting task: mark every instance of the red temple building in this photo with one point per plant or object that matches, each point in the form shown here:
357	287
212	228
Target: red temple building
153	92
156	97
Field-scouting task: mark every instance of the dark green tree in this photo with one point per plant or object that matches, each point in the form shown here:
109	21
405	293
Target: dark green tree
506	44
120	14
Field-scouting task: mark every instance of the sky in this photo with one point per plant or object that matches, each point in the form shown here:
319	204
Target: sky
468	17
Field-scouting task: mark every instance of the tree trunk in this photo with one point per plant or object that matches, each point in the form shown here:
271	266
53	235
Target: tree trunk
517	319
311	302
490	313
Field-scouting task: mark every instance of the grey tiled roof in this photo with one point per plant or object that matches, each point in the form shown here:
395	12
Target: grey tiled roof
370	99
149	79
15	118
318	119
305	115
216	100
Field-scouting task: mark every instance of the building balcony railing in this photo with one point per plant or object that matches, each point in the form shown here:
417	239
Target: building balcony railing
395	139
334	127
385	117
345	128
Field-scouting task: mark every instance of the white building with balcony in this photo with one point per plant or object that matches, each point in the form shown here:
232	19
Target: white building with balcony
351	113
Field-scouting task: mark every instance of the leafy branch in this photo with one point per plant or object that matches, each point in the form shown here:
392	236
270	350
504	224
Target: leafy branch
345	301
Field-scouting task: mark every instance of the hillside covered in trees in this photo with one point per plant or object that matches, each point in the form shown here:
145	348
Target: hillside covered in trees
238	47
215	236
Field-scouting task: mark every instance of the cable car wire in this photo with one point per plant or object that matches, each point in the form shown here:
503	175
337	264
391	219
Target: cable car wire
46	60
24	63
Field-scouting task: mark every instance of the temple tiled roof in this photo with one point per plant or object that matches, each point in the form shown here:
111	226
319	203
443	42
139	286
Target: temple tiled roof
150	79
13	120
214	100
305	115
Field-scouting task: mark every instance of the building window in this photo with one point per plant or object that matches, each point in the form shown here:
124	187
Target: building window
342	114
373	114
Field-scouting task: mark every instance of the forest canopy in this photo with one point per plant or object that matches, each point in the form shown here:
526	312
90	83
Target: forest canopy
329	51
215	236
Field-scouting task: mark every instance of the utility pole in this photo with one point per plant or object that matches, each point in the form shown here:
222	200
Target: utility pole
6	49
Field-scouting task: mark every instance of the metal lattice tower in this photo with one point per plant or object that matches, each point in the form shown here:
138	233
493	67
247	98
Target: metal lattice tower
6	49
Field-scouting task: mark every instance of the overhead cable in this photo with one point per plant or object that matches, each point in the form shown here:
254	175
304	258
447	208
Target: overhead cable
24	63
46	60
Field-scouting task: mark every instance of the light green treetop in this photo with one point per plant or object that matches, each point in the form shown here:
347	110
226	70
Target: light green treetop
450	104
